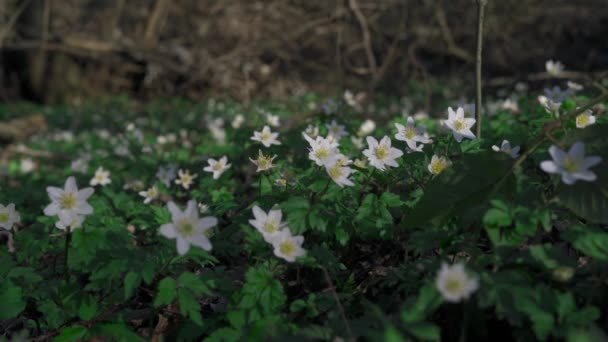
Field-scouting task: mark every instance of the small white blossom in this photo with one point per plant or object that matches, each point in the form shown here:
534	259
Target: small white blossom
217	167
149	195
69	199
323	151
187	228
238	121
69	219
81	164
571	165
8	216
357	141
288	247
102	177
412	135
454	283
268	224
438	164
203	208
506	148
312	131
554	68
167	174
574	86
459	125
339	172
186	179
336	131
266	137
381	154
27	165
272	120
367	127
263	162
585	119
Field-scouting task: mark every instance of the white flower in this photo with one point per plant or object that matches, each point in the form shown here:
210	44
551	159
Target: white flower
312	131
454	283
69	219
572	165
269	224
27	165
149	195
381	154
238	121
336	131
272	120
167	175
412	135
574	86
339	172
585	119
263	162
357	141
323	151
69	199
217	167
367	127
187	228
288	247
459	125
506	148
510	105
266	137
203	208
554	68
185	178
438	164
81	164
102	177
8	216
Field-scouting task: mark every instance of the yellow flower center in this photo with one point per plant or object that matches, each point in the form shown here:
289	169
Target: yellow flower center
266	135
185	227
336	172
322	153
218	166
410	132
4	217
459	125
271	227
287	248
439	166
572	165
454	285
208	233
68	200
382	152
582	120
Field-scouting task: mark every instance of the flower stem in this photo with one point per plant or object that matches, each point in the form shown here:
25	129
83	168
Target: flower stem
481	4
68	239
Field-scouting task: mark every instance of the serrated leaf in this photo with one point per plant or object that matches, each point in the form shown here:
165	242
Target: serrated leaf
166	292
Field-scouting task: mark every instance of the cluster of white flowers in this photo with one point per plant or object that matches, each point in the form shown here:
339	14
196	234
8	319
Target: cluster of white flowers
276	233
325	152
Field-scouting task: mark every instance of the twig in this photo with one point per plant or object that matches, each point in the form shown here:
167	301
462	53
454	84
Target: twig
13	19
338	303
446	33
367	40
157	15
481	4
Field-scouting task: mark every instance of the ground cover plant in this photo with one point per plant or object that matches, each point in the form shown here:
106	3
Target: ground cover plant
309	220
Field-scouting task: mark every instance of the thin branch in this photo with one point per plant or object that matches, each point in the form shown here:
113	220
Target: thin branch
481	4
12	21
339	304
367	40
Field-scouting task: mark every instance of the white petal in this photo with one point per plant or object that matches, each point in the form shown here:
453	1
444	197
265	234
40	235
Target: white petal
174	210
83	208
52	209
85	193
549	166
259	214
201	241
591	161
557	154
54	193
371	141
577	150
70	184
206	222
191	210
568	178
587	175
182	245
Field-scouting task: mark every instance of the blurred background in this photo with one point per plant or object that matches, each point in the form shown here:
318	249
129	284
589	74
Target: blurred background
69	51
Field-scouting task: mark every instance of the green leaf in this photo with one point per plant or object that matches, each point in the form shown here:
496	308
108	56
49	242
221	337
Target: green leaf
424	331
132	281
118	331
391	334
166	292
11	300
189	306
87	309
69	334
593	244
461	187
497	218
428	300
194	283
